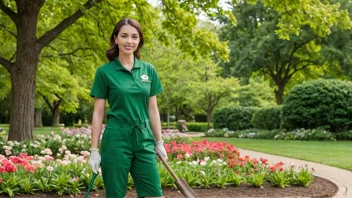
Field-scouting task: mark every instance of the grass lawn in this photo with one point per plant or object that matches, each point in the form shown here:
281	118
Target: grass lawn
37	130
333	153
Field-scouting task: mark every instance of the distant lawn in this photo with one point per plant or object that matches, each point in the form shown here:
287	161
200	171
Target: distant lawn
333	153
37	130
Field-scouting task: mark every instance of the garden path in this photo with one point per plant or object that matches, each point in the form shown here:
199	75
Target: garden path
340	177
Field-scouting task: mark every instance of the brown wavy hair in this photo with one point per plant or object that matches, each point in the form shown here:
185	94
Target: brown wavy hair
113	51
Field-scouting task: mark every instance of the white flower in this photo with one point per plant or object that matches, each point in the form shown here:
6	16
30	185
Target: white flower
202	172
203	163
7	152
50	168
7	147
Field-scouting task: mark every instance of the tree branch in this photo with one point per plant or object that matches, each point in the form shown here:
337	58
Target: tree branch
296	47
67	54
56	31
298	69
47	101
7	30
6	63
8	12
13	56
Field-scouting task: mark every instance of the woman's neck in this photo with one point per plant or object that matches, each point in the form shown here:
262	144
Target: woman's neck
127	61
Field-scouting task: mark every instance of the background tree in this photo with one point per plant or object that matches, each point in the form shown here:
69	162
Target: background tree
255	47
40	22
257	93
206	95
27	27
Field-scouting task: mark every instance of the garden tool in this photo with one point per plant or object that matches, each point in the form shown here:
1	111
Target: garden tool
90	185
181	184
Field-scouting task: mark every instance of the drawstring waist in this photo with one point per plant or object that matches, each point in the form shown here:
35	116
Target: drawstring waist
139	125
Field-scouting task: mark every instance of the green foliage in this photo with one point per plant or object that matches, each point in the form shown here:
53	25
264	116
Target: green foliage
306	134
303	177
345	135
198	126
279	179
257	93
319	103
256	50
267	118
318	15
234	118
256	179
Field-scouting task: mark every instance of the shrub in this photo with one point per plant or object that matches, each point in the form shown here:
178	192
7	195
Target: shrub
234	118
318	103
306	134
198	126
267	118
345	135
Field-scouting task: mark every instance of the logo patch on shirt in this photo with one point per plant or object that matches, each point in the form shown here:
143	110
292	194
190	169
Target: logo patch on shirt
145	78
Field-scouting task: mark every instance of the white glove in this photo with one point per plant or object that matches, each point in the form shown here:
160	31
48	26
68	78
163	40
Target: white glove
94	161
160	148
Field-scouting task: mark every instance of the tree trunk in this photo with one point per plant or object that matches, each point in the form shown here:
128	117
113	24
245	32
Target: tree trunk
209	118
23	72
56	117
279	94
168	117
38	117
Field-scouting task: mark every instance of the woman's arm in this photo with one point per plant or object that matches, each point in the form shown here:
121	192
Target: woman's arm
154	117
97	121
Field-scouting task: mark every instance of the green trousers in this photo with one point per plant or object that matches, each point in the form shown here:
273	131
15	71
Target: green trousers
129	148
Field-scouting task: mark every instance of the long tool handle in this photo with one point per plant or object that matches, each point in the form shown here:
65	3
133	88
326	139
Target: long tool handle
90	185
167	165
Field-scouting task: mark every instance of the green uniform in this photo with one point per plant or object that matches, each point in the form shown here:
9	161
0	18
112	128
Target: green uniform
128	143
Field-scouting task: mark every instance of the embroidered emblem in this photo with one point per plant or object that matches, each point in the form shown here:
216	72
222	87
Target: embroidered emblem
145	78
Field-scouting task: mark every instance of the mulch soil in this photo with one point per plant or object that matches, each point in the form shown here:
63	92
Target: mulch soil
319	188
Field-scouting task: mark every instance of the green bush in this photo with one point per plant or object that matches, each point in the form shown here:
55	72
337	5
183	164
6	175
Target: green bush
306	134
198	126
81	125
267	118
234	118
318	103
345	135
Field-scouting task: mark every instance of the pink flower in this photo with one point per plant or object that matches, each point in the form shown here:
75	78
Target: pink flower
30	168
179	156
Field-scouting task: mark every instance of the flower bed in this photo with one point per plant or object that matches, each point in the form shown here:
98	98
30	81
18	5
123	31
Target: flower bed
58	163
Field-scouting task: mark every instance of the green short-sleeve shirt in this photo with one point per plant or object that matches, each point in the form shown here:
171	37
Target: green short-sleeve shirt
127	92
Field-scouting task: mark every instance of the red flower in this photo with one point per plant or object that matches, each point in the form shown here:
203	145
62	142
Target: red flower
10	168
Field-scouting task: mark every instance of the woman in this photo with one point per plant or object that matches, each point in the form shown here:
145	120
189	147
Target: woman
133	131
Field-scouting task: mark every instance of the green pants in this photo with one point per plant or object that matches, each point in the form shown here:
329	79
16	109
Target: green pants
129	148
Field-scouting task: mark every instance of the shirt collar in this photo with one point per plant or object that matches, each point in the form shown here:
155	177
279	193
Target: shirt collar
118	65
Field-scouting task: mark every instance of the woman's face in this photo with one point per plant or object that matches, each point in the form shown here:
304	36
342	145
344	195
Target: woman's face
127	40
